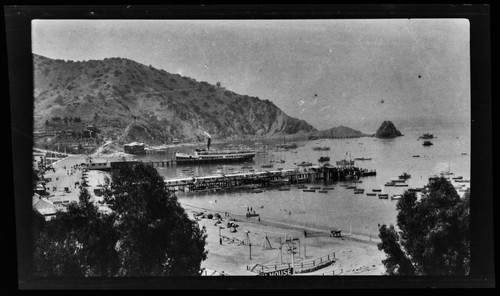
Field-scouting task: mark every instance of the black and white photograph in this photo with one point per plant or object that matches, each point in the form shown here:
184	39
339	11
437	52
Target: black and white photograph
324	147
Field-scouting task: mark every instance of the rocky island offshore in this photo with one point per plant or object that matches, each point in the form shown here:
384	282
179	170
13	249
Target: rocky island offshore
387	130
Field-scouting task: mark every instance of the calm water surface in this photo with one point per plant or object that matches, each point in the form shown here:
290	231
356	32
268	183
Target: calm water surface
340	207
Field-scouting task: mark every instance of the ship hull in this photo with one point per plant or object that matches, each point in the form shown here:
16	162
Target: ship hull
186	158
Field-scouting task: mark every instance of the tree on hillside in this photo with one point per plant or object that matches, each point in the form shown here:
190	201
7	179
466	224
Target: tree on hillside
433	233
156	235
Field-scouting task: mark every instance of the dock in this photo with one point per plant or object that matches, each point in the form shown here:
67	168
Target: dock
260	179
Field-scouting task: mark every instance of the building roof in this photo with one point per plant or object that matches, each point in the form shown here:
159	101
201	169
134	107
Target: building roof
135	144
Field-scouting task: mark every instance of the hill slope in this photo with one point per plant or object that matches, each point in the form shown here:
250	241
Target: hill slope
155	106
339	132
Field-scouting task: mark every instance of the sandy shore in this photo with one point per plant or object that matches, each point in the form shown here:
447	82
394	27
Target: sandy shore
355	254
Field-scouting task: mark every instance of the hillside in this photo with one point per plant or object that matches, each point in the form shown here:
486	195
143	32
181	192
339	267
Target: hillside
339	132
150	105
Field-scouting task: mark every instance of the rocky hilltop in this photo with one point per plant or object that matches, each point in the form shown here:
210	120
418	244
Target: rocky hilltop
387	130
135	102
338	132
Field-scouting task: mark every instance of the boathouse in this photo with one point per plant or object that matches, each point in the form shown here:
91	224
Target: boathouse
134	148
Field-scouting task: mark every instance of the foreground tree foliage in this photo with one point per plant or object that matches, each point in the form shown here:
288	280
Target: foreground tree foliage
78	242
147	234
156	235
433	233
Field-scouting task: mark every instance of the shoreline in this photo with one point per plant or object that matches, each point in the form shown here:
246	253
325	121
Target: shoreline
313	230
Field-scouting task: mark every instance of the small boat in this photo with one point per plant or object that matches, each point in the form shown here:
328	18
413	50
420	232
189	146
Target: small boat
457	178
343	185
266	166
415	189
371	194
328	188
404	176
351	187
389	184
305	163
315	188
416	155
324	158
377	190
321	148
462	181
464	153
363	158
323	191
383	196
283	189
398	181
427	136
359	191
309	190
401	185
427	143
396	197
280	161
345	162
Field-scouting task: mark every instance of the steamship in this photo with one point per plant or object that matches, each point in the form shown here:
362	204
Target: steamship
208	155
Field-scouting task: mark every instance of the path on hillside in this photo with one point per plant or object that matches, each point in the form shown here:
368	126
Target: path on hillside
109	142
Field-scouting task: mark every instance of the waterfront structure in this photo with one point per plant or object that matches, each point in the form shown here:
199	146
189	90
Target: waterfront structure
134	148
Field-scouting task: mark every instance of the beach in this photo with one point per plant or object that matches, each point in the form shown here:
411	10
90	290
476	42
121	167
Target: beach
354	254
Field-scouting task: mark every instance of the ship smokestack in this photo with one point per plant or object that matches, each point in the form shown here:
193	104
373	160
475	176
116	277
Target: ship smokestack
209	139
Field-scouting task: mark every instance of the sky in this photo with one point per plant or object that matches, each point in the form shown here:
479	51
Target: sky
356	73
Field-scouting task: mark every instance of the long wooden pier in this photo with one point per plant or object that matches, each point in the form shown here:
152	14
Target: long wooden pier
265	178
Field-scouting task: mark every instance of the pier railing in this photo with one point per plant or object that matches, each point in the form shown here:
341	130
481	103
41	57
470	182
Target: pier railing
299	267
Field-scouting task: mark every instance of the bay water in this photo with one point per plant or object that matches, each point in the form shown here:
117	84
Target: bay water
340	207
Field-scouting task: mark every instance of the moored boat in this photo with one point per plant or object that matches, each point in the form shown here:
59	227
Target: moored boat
345	162
324	158
427	143
321	148
383	196
363	158
427	136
